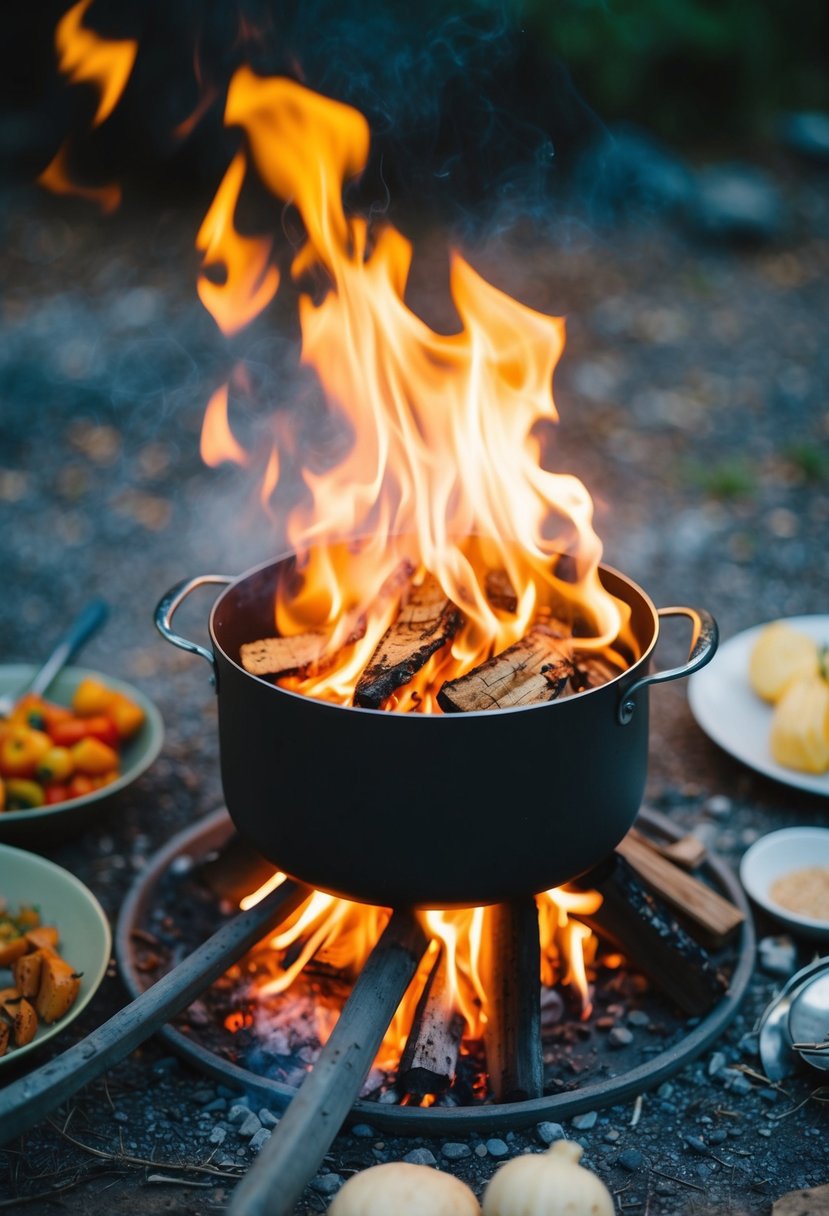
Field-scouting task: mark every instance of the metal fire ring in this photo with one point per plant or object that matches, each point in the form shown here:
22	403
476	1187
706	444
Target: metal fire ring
213	831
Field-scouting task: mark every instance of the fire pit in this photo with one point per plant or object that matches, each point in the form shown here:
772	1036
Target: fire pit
168	884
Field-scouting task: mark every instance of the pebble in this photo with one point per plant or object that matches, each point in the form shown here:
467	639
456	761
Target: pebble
611	1136
496	1148
716	1064
694	1142
250	1126
586	1121
217	1136
620	1036
719	806
718	1136
326	1184
268	1119
630	1159
638	1017
363	1130
259	1139
737	202
665	1091
455	1150
238	1113
548	1133
480	1150
778	955
420	1156
218	1104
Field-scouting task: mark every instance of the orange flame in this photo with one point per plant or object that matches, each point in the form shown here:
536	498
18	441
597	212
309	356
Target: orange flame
217	441
444	468
342	935
86	58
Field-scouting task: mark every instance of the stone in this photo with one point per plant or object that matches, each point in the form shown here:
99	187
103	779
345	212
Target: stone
778	955
548	1133
249	1126
364	1131
698	1146
456	1150
638	1017
586	1121
238	1113
611	1136
217	1136
628	171
736	202
267	1118
716	1064
807	133
630	1159
718	1136
620	1036
260	1139
326	1184
719	806
420	1156
497	1148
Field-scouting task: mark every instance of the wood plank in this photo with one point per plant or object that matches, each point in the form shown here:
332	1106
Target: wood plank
276	1180
711	912
499	591
430	1057
511	976
534	669
427	621
643	928
689	852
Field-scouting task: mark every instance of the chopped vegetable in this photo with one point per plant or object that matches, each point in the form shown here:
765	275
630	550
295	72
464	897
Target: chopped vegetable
45	985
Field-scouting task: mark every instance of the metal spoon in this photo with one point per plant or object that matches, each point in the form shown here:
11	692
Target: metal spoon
79	632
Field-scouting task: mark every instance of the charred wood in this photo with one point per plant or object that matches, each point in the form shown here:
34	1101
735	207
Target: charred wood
430	1057
593	670
426	622
499	591
512	982
643	928
234	871
535	669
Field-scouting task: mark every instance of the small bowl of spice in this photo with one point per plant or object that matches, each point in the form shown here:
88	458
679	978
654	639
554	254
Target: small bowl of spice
787	873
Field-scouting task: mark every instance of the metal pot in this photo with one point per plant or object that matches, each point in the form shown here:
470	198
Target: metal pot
428	810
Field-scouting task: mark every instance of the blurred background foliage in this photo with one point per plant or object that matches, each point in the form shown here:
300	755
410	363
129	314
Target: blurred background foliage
690	70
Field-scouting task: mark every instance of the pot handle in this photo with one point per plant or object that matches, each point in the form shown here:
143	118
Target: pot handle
704	640
173	600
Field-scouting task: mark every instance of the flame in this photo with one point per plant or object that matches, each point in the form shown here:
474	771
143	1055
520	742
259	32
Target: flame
217	441
342	934
443	471
87	58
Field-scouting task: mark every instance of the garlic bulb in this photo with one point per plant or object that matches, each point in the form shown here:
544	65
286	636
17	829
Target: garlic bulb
400	1189
780	654
547	1184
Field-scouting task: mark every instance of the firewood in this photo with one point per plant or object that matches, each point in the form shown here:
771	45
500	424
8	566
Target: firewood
425	623
500	591
593	670
688	852
429	1059
535	669
643	928
512	981
300	654
715	916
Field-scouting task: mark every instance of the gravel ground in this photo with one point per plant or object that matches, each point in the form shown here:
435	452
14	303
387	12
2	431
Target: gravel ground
693	405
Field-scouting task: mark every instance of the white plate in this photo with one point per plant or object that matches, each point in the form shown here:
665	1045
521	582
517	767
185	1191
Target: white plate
730	712
64	901
781	853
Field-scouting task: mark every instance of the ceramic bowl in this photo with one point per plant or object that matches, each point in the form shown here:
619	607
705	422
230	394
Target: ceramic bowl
776	855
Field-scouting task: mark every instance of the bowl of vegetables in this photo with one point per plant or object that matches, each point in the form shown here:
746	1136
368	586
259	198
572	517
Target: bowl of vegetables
63	756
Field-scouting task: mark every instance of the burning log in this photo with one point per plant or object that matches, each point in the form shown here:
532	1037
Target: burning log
535	669
275	1182
299	654
429	1059
512	982
426	622
643	928
709	911
500	591
593	670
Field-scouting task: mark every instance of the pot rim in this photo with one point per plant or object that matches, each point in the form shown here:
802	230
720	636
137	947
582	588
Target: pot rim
624	677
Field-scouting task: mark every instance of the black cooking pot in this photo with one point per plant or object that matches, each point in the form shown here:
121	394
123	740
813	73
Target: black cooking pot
428	810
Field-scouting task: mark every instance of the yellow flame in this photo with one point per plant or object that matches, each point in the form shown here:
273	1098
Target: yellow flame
444	469
85	57
217	441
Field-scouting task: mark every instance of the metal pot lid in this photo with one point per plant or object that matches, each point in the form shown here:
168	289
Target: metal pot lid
808	1020
775	1040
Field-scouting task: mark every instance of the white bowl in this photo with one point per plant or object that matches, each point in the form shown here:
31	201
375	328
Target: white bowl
780	853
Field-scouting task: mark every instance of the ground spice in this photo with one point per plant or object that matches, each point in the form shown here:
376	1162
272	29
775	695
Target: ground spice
805	892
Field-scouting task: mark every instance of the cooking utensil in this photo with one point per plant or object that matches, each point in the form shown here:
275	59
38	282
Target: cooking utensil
809	1020
774	1037
79	632
504	802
